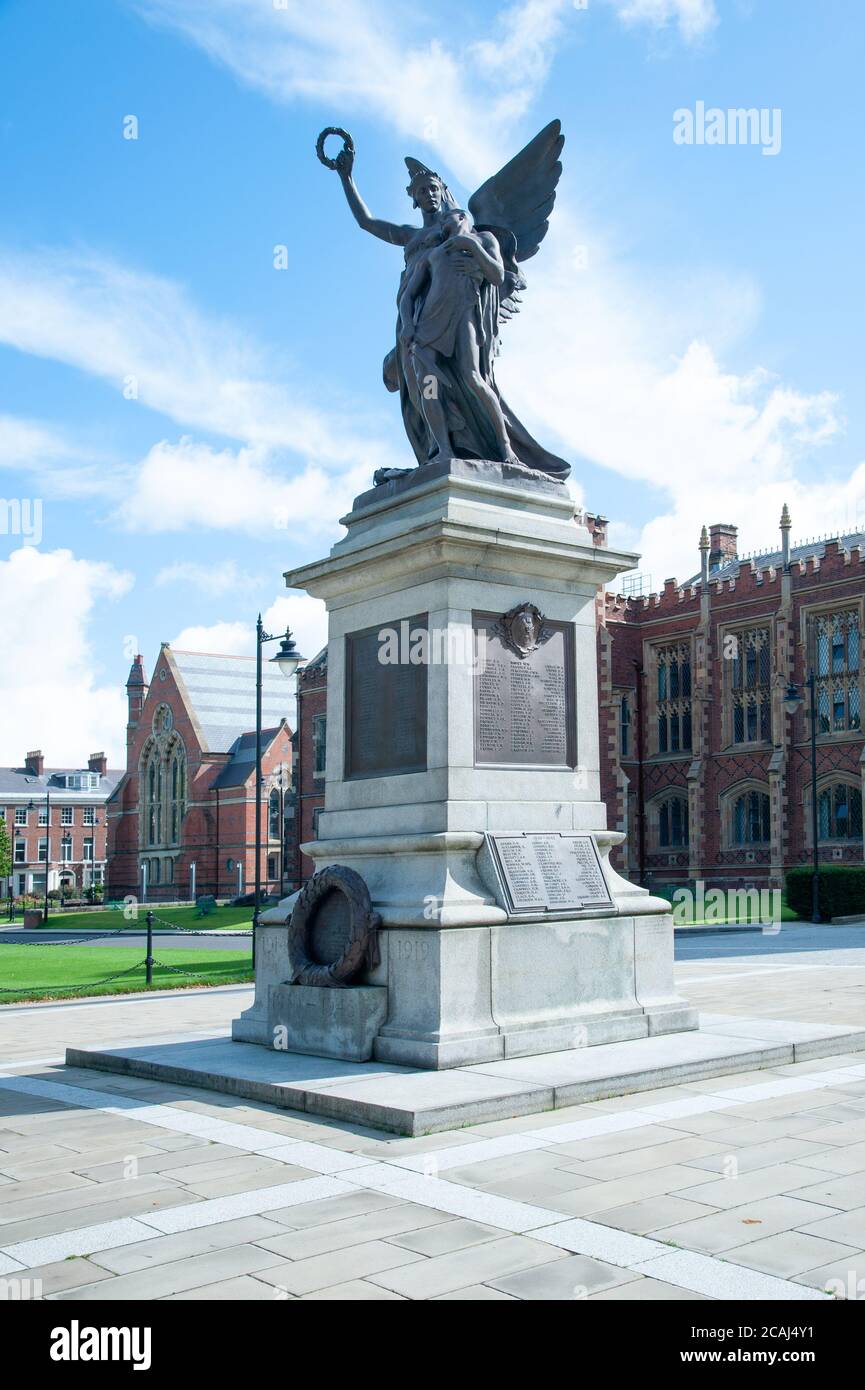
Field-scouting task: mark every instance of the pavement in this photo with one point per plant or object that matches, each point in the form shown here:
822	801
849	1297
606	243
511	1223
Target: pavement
746	1186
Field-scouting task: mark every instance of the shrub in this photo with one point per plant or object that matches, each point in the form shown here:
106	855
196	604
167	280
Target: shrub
841	890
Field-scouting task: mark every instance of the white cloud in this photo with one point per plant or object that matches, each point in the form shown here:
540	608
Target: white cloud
188	484
51	696
669	543
55	462
398	64
601	364
221	577
223	639
694	18
628	377
306	616
142	333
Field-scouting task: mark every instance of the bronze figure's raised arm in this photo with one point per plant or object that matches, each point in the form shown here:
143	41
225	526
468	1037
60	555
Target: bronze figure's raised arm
461	280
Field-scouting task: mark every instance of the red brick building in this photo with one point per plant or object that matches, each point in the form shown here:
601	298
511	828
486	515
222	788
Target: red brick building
701	766
310	746
55	819
181	822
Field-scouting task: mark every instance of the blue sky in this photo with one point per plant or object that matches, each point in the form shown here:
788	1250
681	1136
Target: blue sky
194	421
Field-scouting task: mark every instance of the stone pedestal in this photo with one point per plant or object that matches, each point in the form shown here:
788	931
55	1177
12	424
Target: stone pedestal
327	1022
423	770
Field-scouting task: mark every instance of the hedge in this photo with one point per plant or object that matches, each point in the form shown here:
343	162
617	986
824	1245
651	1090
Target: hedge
841	890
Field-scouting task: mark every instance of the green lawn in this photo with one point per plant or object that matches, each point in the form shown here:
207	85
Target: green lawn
62	972
739	910
109	919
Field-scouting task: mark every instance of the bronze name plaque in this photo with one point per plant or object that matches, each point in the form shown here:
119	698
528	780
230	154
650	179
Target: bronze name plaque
386	699
524	690
550	872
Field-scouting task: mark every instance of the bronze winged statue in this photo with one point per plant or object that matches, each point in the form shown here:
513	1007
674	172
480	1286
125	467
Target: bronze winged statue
461	281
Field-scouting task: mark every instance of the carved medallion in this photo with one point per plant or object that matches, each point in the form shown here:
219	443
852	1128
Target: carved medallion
523	629
333	932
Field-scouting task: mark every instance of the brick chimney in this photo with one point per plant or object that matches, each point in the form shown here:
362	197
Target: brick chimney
597	527
136	694
722	543
97	762
34	763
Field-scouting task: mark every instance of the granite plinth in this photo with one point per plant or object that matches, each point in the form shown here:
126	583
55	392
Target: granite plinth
340	1023
415	1102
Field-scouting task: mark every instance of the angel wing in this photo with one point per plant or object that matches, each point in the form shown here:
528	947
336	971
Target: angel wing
520	196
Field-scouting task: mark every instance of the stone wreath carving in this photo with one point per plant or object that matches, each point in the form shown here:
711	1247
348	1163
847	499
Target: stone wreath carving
523	629
361	950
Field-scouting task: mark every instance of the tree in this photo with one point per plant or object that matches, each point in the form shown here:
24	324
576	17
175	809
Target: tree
5	850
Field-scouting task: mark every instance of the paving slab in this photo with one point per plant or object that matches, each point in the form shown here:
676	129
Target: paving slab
648	1290
336	1266
242	1289
479	1264
727	1230
390	1224
63	1274
575	1277
652	1214
412	1102
720	1280
476	1293
353	1291
161	1250
161	1280
789	1253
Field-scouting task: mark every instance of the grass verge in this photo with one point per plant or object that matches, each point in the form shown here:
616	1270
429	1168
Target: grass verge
72	972
110	919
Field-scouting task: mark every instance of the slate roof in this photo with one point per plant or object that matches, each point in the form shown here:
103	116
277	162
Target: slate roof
773	558
18	783
242	764
221	692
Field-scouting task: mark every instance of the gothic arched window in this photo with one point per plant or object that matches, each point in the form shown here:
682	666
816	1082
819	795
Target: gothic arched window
673	822
751	819
839	812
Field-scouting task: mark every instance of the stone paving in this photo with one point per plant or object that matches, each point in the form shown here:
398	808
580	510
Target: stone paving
747	1186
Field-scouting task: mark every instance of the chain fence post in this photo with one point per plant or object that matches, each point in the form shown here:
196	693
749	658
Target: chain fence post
149	959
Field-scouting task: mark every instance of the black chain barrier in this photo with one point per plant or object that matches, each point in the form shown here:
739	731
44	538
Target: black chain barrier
73	989
148	961
72	941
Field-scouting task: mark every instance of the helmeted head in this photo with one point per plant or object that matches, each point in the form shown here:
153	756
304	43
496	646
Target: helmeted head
427	189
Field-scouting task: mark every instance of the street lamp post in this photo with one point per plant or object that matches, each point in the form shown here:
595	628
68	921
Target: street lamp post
287	660
32	807
89	867
793	698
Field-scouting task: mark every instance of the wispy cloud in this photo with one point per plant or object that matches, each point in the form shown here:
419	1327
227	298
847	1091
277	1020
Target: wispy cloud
693	18
59	464
633	377
143	333
221	577
57	705
189	485
306	617
397	64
